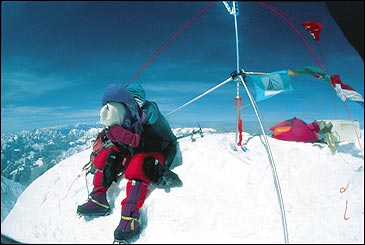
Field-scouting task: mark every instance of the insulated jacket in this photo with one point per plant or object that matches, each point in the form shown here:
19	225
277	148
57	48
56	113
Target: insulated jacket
157	135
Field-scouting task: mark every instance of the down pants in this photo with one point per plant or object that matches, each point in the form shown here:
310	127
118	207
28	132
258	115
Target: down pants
138	182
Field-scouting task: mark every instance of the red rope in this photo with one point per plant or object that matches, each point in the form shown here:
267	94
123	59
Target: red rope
299	22
290	24
324	60
344	215
172	38
272	6
69	188
342	190
238	103
239	126
357	135
78	176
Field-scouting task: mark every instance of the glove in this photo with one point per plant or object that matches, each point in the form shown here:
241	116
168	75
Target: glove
152	169
110	172
119	134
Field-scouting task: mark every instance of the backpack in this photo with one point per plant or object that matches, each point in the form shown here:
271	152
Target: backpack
100	143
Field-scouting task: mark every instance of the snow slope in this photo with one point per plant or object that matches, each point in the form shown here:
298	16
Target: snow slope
228	196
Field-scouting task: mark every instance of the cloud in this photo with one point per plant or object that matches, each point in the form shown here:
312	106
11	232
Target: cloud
188	87
31	117
18	86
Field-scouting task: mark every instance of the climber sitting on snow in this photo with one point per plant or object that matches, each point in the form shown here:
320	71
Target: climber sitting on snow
157	135
141	148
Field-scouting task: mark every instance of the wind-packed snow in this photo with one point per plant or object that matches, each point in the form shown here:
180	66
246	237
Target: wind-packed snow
228	196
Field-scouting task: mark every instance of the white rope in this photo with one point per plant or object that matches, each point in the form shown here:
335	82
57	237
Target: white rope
198	97
276	179
235	13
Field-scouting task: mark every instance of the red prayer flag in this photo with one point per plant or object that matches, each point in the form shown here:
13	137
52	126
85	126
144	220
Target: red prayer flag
313	27
345	91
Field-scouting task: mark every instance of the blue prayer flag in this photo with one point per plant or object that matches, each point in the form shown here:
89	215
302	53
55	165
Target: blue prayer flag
270	84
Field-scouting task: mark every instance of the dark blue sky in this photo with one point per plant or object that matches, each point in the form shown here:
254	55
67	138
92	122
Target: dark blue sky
57	58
